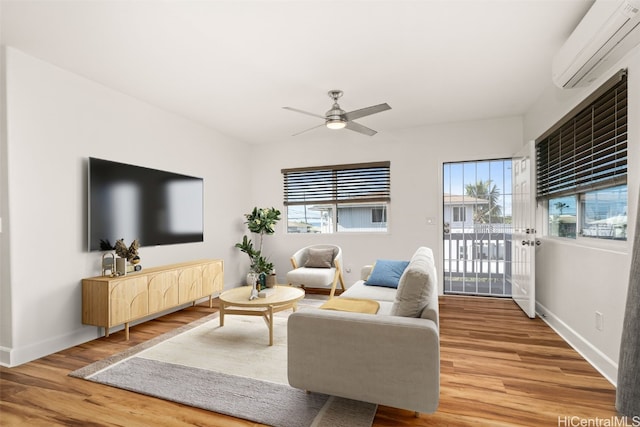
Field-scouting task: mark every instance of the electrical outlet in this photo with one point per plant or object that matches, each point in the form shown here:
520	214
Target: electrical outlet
599	321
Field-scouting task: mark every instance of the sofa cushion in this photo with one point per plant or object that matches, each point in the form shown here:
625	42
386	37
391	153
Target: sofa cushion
378	293
385	308
311	277
386	273
416	285
319	258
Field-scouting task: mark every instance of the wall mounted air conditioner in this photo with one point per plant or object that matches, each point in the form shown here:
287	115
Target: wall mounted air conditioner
608	31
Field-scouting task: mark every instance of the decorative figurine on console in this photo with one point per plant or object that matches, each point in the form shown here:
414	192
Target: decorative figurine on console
126	254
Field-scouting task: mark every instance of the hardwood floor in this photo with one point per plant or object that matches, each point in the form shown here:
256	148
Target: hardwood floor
498	368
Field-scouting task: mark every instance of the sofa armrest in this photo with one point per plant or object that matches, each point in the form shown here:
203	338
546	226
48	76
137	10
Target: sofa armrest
365	272
388	360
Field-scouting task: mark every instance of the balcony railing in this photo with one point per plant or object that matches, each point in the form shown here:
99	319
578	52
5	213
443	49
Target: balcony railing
478	261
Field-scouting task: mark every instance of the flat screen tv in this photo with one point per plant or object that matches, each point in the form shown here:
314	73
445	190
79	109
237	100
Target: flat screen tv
133	202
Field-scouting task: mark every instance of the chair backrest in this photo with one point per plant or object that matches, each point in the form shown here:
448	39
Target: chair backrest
301	255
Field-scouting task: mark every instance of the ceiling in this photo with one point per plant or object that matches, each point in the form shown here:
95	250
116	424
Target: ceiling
232	65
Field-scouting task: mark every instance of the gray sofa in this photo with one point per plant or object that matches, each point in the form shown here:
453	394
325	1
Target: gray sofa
390	358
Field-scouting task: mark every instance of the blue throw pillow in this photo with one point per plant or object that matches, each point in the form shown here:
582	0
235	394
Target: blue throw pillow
386	273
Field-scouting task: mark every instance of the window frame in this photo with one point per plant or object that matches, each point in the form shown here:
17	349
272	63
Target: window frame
600	122
333	186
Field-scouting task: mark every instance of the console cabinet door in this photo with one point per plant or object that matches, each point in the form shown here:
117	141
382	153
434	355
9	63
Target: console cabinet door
189	284
212	278
163	290
128	300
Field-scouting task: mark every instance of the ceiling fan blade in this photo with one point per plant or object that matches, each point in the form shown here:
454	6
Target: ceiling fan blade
304	112
356	114
307	130
359	128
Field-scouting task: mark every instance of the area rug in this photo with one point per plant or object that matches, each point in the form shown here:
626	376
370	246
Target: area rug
230	370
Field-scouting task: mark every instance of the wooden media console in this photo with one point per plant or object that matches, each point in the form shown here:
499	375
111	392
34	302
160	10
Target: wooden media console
111	301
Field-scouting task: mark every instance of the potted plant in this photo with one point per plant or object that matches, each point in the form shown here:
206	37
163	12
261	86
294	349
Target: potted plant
260	221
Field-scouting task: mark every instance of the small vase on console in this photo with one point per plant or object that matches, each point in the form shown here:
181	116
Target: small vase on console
270	280
262	281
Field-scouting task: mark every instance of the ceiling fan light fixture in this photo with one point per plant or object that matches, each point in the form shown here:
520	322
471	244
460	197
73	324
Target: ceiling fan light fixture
336	118
336	123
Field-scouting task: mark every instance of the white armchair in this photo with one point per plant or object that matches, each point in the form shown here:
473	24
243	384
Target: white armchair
317	266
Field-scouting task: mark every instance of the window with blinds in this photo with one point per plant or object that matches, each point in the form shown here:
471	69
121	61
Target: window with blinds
582	167
338	198
589	150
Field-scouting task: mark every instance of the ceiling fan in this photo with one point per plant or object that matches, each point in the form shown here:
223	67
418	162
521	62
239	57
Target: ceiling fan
337	118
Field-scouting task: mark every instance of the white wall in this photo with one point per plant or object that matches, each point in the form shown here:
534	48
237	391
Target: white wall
416	157
5	290
574	280
55	121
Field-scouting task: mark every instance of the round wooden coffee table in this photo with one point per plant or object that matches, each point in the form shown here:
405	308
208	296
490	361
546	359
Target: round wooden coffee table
236	301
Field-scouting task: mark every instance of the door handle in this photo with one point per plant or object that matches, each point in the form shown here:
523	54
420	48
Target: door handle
525	243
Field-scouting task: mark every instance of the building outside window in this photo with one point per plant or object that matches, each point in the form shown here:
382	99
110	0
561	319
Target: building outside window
379	215
459	214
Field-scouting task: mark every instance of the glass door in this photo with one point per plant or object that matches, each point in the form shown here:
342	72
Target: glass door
477	212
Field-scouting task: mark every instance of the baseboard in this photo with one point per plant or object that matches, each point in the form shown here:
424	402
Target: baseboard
10	357
5	356
600	361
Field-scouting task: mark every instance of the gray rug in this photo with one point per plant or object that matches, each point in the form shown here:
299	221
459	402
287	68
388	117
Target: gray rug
159	368
260	401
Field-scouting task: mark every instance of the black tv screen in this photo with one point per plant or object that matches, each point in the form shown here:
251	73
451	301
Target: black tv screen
133	202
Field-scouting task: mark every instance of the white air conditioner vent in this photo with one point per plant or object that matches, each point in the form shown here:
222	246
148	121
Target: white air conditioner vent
608	31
